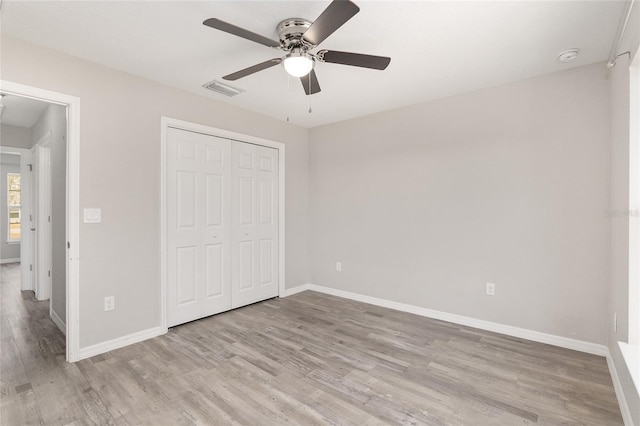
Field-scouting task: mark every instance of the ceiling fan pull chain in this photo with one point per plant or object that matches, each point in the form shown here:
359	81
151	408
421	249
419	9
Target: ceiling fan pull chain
309	97
288	96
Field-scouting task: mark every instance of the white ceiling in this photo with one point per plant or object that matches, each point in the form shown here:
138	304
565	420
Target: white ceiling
21	112
438	48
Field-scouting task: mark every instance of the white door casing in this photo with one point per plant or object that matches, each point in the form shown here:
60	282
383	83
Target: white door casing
254	223
198	225
73	203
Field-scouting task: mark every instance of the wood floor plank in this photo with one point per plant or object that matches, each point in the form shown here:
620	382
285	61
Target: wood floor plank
309	359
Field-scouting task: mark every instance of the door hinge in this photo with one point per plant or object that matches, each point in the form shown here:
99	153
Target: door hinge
30	267
49	219
68	245
30	167
49	273
30	218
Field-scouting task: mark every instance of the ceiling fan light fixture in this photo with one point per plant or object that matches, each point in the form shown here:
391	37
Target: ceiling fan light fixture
298	64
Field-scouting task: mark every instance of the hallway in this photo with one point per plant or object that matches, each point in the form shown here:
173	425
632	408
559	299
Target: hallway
33	349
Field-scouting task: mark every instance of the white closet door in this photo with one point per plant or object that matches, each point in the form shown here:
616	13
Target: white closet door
198	226
255	223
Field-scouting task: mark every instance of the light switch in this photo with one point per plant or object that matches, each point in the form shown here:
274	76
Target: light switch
92	215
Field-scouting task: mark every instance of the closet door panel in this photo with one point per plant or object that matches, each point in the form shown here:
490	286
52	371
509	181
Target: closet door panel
255	224
198	226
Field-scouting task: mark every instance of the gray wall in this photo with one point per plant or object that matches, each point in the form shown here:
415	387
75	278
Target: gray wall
9	163
15	137
424	205
120	173
54	119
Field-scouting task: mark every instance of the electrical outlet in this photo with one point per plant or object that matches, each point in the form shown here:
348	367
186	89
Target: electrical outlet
109	303
491	289
338	266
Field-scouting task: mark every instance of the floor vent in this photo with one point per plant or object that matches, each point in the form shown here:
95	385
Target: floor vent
222	88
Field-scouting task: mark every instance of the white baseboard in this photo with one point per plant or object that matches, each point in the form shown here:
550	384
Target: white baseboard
291	291
120	342
617	386
536	336
57	321
12	260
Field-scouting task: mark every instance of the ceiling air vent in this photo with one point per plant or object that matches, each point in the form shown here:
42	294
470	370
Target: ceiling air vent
222	88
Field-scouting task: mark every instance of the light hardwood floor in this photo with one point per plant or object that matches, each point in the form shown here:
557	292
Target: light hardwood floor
306	359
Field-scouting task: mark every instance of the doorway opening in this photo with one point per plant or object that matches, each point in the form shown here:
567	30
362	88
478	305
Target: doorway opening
38	149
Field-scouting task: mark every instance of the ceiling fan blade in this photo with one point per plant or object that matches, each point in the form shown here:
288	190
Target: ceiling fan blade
332	18
310	83
248	71
354	59
240	32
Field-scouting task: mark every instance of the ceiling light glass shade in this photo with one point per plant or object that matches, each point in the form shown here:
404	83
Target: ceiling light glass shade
298	64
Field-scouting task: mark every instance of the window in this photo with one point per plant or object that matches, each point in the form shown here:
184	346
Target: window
13	206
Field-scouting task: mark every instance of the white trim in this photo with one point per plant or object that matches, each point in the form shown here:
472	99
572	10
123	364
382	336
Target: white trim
617	386
58	321
634	202
523	333
120	342
295	290
165	123
163	223
73	202
11	260
631	357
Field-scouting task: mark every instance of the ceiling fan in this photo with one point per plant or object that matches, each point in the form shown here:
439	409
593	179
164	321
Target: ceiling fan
298	37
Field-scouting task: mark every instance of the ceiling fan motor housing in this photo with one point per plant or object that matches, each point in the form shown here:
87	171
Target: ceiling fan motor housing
290	32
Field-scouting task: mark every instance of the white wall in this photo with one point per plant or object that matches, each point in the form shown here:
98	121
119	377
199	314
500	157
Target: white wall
9	163
15	137
54	120
120	173
424	205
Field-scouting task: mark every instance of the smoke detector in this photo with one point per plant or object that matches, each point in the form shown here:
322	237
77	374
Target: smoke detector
568	55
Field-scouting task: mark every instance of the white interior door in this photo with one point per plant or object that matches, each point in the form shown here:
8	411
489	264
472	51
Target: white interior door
255	223
198	226
42	222
26	218
33	222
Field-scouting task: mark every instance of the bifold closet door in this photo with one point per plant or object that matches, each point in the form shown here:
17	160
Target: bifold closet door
254	216
198	225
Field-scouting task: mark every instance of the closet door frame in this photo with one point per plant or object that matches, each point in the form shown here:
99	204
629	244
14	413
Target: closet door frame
165	124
